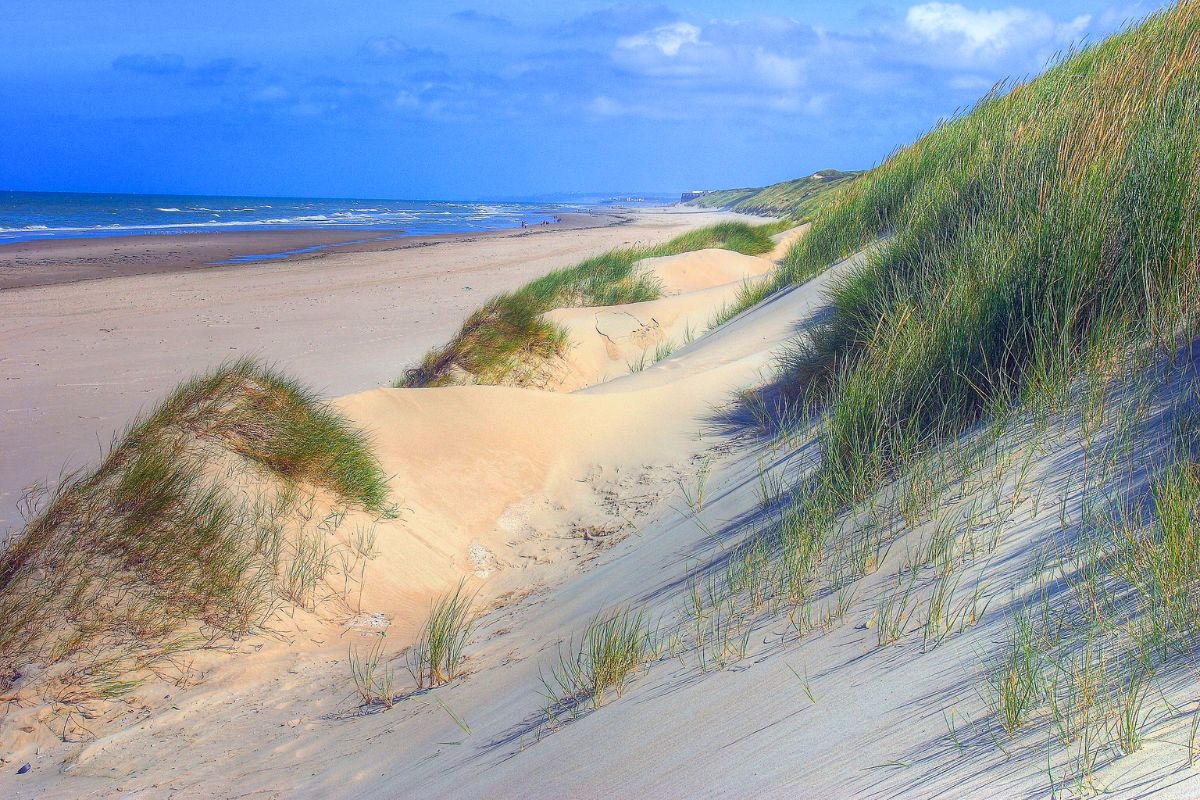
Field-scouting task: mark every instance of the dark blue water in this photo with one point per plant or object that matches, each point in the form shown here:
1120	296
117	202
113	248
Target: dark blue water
46	215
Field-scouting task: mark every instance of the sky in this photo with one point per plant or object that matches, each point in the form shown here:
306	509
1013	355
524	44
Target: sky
472	100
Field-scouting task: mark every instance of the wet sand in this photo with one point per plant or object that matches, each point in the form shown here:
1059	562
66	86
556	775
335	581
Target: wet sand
47	262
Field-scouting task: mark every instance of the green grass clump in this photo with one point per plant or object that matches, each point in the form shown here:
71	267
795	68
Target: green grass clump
751	240
1046	229
506	340
614	646
1162	560
374	681
272	420
795	199
1017	683
160	536
436	658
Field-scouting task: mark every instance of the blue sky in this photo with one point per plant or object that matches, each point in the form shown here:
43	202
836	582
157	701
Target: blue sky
460	100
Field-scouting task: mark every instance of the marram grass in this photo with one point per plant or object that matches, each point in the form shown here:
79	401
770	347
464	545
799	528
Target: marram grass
1046	229
437	656
158	538
501	340
615	645
1048	235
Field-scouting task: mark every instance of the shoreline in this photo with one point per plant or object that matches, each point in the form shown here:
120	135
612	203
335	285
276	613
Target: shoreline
50	262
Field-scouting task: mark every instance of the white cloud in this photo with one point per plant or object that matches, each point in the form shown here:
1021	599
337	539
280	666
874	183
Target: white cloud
668	39
270	94
406	100
793	68
798	104
988	35
768	53
779	70
605	106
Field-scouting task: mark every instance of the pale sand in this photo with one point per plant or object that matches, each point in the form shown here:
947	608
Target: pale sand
79	360
495	483
610	341
556	506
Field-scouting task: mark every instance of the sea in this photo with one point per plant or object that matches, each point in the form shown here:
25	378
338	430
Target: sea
26	216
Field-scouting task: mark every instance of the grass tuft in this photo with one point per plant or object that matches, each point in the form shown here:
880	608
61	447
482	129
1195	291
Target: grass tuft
437	656
374	680
163	533
614	646
507	340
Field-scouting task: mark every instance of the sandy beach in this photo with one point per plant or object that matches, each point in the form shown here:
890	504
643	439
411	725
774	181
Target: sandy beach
80	357
45	262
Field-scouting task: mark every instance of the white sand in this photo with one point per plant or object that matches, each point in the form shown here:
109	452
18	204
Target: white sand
498	484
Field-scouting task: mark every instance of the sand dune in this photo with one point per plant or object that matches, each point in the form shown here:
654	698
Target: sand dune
611	341
517	489
474	466
703	269
555	506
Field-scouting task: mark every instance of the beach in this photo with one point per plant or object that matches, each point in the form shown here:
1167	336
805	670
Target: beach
109	336
45	262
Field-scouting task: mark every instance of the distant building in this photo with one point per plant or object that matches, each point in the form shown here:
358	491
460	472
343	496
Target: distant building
686	196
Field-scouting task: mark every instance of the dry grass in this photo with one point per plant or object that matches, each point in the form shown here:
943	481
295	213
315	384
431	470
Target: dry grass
182	529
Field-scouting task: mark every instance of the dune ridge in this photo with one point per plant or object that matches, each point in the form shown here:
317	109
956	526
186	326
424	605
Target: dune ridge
514	488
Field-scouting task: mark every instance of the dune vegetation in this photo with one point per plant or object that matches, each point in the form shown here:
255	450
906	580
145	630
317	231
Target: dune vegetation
185	523
613	647
1053	227
436	658
795	199
506	340
1029	280
981	437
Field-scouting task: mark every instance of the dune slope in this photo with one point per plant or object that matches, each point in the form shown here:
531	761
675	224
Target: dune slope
652	491
649	490
522	490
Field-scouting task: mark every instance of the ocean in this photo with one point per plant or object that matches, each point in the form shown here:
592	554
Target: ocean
26	216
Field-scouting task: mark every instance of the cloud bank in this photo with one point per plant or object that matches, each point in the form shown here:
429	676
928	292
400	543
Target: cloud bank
669	91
